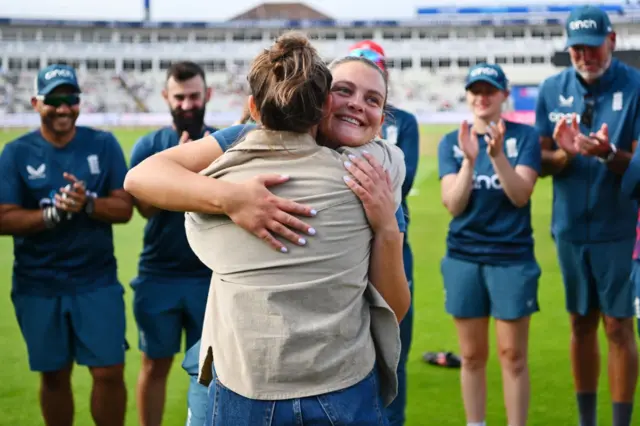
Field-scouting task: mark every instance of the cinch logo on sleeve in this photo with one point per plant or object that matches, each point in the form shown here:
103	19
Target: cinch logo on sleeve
555	116
484	71
584	24
486	182
58	73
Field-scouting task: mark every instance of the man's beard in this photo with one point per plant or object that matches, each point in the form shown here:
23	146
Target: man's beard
193	124
591	76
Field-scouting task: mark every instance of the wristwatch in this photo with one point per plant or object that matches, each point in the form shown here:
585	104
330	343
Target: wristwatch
90	205
610	155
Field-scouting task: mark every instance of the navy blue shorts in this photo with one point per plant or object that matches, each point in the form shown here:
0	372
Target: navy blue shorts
88	328
163	310
597	276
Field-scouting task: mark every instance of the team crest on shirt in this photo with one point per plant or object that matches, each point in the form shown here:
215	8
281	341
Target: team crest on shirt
94	164
457	152
37	173
511	145
616	103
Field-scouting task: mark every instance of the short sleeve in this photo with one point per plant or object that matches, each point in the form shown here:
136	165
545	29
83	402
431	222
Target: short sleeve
191	358
447	163
636	122
397	169
543	124
10	181
142	150
630	185
409	143
117	164
530	155
230	135
402	223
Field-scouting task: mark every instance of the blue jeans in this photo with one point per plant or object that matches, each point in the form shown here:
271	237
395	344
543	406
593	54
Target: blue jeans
359	404
197	402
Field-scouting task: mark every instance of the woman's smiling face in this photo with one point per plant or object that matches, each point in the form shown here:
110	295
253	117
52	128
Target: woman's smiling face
359	95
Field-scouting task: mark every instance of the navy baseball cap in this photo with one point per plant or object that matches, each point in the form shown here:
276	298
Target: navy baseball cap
489	73
55	76
587	26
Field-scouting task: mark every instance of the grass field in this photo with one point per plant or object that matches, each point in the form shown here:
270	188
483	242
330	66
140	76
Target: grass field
434	396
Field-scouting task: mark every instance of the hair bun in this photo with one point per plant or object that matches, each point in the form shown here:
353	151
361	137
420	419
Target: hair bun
286	44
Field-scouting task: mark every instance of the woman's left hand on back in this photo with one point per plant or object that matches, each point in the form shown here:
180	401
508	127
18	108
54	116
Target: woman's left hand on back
372	185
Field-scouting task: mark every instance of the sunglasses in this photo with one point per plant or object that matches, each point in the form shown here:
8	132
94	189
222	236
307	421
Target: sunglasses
371	55
59	100
586	117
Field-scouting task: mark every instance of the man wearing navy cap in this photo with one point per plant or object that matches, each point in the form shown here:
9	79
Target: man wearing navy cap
61	190
400	128
588	117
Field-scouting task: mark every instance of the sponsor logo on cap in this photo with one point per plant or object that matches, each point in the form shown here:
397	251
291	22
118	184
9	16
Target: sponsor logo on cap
59	72
484	71
583	24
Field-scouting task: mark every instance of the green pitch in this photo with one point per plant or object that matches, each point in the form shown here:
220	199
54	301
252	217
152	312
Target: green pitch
434	396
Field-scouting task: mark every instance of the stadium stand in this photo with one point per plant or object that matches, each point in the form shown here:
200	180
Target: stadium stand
122	64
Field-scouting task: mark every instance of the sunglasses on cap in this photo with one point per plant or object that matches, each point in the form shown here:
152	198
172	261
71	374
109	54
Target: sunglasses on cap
58	100
371	55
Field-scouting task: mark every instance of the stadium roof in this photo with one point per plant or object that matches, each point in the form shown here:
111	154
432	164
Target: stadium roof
425	17
270	11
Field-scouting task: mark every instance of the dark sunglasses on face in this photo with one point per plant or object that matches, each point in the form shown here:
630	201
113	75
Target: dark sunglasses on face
58	100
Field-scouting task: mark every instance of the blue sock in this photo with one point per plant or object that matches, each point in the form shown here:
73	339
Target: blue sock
587	408
622	413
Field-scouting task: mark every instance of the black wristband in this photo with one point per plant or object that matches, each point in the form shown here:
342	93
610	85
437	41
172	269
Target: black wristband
90	205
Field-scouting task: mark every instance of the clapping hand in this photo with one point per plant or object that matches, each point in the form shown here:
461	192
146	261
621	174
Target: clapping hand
468	142
495	138
565	135
73	197
596	144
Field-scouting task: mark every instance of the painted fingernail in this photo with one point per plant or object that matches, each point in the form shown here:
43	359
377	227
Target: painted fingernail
284	250
284	176
492	123
364	151
347	164
351	157
311	231
313	212
302	241
346	178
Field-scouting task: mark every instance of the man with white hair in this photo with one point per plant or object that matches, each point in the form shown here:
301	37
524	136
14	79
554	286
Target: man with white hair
588	117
